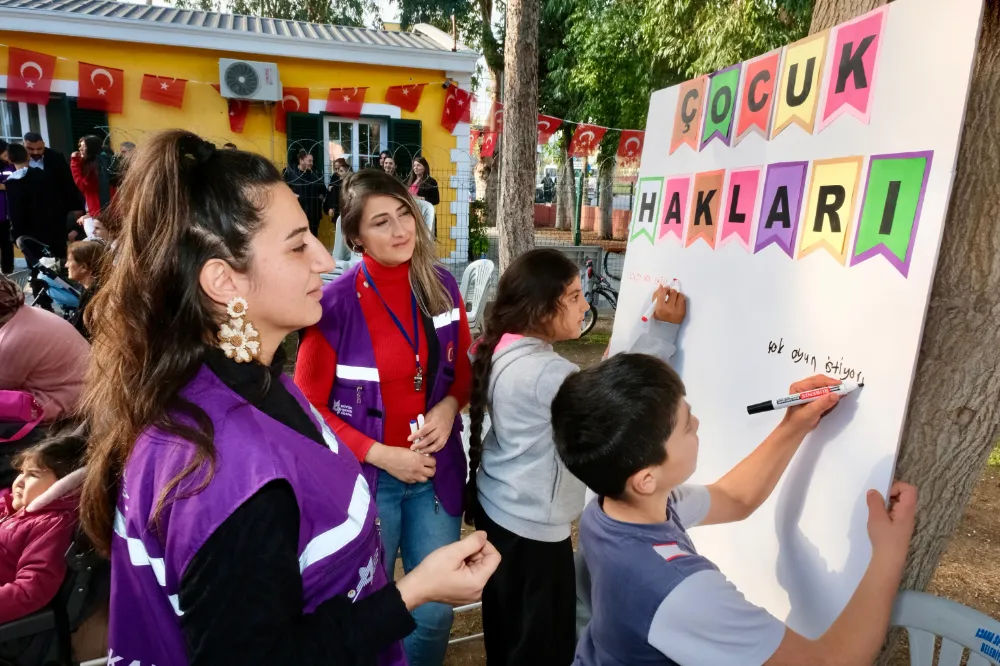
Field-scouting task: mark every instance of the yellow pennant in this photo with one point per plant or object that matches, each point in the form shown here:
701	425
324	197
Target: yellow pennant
799	85
829	214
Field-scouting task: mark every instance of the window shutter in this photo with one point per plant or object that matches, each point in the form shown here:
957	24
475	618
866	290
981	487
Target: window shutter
305	131
57	116
405	141
86	121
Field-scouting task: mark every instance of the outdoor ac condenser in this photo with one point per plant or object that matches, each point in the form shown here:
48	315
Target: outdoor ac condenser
245	79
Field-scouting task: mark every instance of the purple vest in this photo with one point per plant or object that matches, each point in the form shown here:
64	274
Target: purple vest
339	539
357	396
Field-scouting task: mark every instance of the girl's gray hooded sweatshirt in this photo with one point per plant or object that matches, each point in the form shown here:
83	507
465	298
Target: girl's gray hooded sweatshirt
523	485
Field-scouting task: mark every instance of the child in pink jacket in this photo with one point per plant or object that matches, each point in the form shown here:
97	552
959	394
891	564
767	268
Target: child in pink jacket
38	518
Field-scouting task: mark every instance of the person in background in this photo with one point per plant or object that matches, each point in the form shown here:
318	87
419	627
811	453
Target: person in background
308	186
33	210
90	175
391	347
421	184
40	353
332	202
381	159
119	163
84	260
61	186
204	455
389	166
6	242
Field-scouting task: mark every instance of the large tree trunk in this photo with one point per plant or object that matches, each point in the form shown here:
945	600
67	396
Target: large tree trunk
492	194
953	419
606	195
517	189
565	188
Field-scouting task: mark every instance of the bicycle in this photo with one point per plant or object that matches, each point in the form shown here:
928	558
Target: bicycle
616	273
595	286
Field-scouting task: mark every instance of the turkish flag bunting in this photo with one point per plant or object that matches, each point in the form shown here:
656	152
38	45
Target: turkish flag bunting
496	118
630	145
238	110
293	99
547	126
29	76
163	90
346	102
489	144
101	88
457	108
405	97
585	140
474	136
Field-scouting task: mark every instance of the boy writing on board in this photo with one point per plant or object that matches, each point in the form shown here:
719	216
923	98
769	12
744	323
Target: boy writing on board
624	428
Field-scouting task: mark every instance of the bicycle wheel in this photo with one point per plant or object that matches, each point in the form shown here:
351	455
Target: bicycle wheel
616	272
589	321
610	295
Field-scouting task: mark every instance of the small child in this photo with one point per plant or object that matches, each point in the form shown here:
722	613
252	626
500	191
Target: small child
625	430
38	517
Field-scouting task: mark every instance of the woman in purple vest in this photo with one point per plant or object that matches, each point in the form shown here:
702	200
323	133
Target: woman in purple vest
240	530
390	351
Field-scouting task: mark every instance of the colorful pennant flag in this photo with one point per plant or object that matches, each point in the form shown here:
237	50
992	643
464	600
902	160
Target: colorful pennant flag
675	208
346	102
238	110
29	76
891	204
801	73
547	126
647	208
855	62
630	145
722	88
707	200
586	139
830	206
687	119
780	205
294	100
739	205
757	98
457	108
101	88
163	90
405	97
489	144
496	118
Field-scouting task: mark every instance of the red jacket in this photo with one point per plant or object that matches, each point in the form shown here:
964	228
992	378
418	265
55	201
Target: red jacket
87	182
33	545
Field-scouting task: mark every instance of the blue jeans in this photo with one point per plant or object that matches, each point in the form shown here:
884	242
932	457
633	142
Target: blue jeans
414	521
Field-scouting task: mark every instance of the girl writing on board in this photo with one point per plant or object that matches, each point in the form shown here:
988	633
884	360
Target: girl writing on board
517	485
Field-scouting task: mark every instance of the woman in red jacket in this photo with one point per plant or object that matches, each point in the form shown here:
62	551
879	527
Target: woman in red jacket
87	173
38	517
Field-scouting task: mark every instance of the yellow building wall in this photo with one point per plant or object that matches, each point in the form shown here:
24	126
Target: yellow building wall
205	112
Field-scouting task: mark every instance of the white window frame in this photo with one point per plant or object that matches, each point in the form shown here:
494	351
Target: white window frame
355	137
25	117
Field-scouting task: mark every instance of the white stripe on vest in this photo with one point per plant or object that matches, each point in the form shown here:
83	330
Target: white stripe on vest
357	373
328	436
445	318
328	543
139	557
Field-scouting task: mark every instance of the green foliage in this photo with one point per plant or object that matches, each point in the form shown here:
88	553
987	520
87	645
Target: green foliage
995	456
479	241
336	12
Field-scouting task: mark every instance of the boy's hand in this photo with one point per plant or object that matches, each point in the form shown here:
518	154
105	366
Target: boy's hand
806	417
890	530
671	306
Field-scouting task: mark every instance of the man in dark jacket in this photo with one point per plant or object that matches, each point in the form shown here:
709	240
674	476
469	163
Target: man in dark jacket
34	212
62	189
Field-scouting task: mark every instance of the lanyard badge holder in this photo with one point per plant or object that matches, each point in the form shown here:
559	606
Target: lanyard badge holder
414	342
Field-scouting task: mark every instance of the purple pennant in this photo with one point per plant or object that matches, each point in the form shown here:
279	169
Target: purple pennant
781	203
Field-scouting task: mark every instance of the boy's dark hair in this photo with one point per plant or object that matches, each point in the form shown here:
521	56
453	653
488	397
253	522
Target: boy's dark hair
614	419
60	454
17	153
529	296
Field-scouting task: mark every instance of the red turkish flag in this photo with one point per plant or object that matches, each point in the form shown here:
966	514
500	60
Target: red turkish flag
238	110
585	140
630	145
101	88
489	144
29	76
547	126
474	135
294	100
346	102
405	97
163	90
457	108
496	118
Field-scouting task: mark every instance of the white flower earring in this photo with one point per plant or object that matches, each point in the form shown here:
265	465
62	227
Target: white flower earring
237	337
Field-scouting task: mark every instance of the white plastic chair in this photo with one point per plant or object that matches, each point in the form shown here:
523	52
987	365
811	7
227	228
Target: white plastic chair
427	211
342	255
475	281
926	617
21	278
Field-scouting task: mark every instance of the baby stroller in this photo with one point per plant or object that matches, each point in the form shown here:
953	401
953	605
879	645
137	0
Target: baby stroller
49	290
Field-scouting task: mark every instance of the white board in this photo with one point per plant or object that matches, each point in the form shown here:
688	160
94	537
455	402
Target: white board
757	318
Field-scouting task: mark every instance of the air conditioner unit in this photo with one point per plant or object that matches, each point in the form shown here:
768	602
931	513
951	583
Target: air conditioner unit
245	79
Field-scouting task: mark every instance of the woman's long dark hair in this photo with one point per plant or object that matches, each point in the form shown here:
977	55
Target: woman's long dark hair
183	204
528	298
413	174
94	147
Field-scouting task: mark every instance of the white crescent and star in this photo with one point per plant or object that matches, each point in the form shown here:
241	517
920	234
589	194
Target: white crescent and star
543	123
290	98
31	65
102	72
588	141
164	85
638	143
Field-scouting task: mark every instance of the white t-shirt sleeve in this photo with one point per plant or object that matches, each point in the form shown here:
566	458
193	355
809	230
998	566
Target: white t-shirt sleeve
706	621
691	504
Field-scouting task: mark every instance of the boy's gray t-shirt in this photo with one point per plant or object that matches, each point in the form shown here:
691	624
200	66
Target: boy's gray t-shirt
656	601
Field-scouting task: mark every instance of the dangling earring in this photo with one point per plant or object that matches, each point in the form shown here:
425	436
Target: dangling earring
237	338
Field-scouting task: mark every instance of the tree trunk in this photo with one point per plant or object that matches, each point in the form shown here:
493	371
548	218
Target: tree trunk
517	189
953	418
565	188
492	194
606	195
